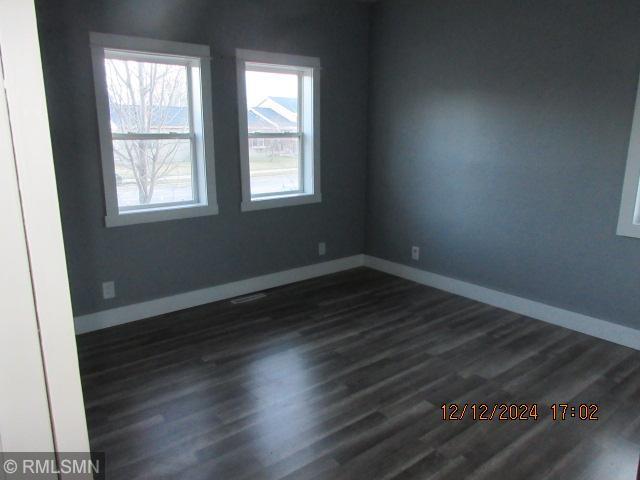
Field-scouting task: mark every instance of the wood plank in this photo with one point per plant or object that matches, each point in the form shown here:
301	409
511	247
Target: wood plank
343	377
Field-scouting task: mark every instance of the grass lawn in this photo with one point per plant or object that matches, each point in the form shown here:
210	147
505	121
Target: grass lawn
181	169
265	162
259	162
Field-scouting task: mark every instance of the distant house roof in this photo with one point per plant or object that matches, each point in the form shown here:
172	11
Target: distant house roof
267	117
163	117
257	123
289	103
259	118
275	117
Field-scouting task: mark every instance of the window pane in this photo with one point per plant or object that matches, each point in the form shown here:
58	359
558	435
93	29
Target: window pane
272	102
147	97
274	164
152	172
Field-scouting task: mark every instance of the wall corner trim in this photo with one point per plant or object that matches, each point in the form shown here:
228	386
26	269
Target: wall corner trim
160	306
578	322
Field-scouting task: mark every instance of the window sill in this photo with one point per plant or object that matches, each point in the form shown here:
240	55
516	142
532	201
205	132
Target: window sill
280	201
159	215
628	230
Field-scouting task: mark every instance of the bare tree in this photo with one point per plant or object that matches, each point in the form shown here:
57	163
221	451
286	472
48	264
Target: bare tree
146	98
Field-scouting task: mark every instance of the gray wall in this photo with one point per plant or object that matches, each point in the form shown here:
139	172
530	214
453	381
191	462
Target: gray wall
154	260
498	140
498	133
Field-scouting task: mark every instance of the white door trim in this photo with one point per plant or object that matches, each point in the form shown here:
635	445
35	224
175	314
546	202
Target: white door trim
25	424
29	126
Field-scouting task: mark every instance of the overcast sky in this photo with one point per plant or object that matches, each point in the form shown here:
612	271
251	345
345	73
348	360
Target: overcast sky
261	85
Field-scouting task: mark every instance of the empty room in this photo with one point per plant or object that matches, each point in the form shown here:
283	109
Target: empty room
320	239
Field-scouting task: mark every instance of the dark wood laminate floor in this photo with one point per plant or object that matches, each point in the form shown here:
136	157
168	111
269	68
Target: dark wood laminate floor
342	377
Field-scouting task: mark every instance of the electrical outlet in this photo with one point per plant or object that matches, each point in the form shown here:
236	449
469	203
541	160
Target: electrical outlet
415	253
322	248
108	290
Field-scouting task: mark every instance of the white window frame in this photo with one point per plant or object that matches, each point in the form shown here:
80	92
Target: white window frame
309	131
201	127
629	219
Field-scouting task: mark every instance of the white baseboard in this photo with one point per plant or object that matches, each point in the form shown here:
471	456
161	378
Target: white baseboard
595	327
151	308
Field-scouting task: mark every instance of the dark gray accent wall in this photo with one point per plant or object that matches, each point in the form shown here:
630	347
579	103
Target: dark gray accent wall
158	259
498	141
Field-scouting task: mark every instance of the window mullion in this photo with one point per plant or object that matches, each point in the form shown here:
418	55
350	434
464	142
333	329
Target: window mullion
151	136
275	135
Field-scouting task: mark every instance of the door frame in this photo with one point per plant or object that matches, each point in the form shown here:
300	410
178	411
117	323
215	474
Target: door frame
48	318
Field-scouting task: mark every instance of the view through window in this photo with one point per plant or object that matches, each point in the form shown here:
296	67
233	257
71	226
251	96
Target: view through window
152	134
275	137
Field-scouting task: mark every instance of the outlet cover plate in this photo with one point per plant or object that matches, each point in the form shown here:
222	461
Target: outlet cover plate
108	290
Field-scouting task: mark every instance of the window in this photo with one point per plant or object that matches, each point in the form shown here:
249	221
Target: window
278	105
155	124
629	219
